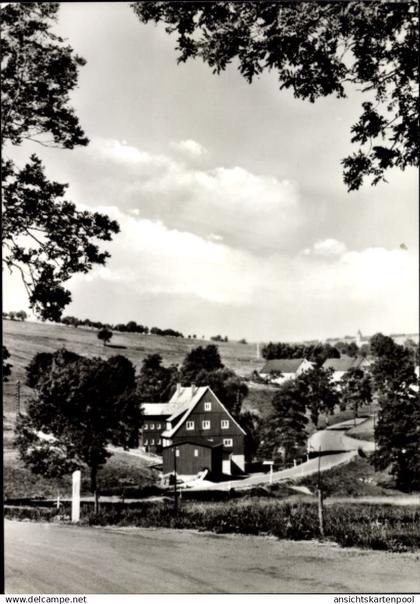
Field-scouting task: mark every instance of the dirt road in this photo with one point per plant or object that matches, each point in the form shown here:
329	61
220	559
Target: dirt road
48	558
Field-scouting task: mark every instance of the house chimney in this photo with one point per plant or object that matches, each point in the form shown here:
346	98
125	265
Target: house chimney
178	387
193	389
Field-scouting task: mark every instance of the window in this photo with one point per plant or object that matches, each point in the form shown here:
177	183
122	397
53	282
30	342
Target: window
207	406
224	423
145	427
152	426
195	452
159	442
190	425
176	452
146	442
227	442
158	427
152	442
205	424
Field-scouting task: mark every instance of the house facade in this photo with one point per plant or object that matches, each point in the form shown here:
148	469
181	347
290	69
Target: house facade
343	364
194	415
278	371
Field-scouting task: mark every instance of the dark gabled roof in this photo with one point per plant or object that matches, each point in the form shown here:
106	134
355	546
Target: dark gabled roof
207	445
344	363
282	365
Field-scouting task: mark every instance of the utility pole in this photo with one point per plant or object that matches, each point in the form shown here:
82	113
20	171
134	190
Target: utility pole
175	489
320	500
17	398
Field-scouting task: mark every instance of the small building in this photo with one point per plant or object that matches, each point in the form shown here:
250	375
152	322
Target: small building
343	364
194	415
278	371
188	458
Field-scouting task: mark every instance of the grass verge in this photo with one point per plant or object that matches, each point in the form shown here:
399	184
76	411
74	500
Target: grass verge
380	527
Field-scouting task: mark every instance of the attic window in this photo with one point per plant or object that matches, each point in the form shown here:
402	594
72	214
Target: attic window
190	425
224	423
205	424
207	406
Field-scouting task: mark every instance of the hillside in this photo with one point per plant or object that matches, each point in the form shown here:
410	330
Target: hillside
24	340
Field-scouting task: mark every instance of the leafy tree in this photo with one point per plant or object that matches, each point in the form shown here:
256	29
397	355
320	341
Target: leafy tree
21	315
12	315
205	358
397	436
355	389
252	423
105	335
285	429
227	386
6	367
45	238
81	405
393	368
318	391
317	49
397	432
155	382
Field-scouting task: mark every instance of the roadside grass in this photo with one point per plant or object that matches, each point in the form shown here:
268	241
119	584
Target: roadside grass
380	527
357	478
121	468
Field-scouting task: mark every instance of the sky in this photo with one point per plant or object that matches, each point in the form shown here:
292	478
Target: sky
234	217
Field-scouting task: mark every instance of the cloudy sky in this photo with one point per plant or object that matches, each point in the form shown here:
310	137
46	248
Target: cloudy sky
234	217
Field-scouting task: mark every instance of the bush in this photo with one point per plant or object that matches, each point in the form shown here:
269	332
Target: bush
15	512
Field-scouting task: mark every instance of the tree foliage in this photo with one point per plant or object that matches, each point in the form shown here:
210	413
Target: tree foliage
203	366
356	389
45	238
155	382
317	49
80	406
105	335
6	367
284	433
317	352
397	432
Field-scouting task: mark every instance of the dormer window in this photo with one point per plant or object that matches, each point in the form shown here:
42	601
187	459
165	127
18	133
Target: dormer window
207	406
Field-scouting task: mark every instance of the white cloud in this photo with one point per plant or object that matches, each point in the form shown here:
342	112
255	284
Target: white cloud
251	211
326	248
189	147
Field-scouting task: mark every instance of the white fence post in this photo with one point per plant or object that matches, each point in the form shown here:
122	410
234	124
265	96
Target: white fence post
75	501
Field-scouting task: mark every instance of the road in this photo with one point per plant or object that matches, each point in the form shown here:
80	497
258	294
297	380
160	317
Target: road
335	438
49	558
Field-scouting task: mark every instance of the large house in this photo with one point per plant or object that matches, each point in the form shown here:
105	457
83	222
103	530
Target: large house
280	370
195	431
343	364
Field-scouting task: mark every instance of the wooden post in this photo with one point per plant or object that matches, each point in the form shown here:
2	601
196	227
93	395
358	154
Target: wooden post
17	398
175	487
320	498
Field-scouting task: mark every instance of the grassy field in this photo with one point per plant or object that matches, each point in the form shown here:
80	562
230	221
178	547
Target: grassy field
24	340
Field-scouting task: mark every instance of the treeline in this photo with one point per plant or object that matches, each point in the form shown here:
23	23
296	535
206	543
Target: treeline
317	353
19	315
129	327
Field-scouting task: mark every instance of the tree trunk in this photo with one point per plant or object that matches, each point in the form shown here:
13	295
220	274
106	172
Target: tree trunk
93	488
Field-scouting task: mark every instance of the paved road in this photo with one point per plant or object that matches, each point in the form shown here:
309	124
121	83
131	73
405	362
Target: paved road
48	558
335	438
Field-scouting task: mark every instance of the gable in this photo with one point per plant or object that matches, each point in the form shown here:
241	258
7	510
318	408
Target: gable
198	413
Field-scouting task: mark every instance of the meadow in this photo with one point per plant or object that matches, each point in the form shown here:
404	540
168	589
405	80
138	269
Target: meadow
24	339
